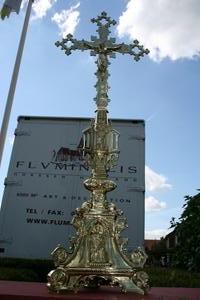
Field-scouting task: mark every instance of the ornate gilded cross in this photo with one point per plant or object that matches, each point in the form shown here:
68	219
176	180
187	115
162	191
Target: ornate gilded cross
104	47
98	254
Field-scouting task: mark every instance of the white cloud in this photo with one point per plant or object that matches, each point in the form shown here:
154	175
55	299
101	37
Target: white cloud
167	28
152	204
155	234
155	181
67	20
40	7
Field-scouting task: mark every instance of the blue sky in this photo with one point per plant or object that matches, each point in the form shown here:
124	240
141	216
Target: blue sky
163	88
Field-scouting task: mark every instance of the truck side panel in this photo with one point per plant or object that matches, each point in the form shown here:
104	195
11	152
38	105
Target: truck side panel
44	184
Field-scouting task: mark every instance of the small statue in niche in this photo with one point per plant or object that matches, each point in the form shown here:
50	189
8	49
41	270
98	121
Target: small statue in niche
98	252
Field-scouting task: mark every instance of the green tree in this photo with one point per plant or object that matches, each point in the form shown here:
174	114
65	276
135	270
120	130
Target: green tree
187	229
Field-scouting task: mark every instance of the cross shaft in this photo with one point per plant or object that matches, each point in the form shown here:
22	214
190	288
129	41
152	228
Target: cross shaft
104	47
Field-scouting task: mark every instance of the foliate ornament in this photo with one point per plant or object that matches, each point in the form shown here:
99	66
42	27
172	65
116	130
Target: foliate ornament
123	242
138	258
112	160
98	253
57	279
141	279
121	224
59	256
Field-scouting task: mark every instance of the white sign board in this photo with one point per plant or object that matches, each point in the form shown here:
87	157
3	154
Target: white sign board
45	184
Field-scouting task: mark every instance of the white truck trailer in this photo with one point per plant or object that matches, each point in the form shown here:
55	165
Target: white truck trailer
44	184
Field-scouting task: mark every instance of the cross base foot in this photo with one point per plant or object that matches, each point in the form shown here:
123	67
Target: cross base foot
63	283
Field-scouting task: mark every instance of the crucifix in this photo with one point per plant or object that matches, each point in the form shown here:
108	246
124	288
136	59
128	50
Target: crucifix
98	254
104	47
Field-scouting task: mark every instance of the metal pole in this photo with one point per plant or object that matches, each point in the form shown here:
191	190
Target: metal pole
13	83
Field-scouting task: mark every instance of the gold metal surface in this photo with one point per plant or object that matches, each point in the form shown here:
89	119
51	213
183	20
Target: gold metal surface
98	255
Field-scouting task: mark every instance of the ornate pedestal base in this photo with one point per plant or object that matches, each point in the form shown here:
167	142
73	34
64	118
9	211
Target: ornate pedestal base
98	256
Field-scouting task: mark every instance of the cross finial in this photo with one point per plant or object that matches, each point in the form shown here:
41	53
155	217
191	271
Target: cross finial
104	47
102	17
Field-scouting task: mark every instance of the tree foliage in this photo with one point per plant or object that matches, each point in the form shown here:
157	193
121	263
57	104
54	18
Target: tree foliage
187	229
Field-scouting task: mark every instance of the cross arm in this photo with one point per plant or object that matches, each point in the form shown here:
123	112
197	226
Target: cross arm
69	43
134	49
